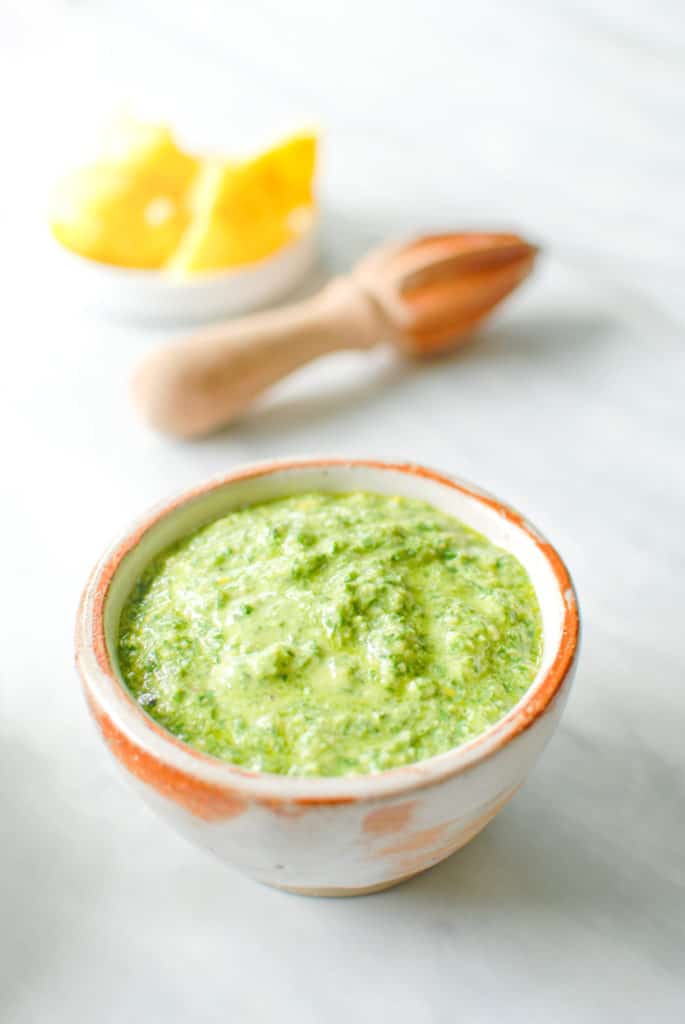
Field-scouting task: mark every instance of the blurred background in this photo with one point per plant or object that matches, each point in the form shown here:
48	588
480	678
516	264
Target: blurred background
564	121
565	117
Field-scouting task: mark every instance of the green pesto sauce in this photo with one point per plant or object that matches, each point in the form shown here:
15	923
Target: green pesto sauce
330	634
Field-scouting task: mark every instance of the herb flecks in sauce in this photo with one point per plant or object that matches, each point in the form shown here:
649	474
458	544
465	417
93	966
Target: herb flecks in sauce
328	634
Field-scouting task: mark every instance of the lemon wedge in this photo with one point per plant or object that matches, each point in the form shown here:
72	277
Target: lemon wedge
148	204
244	212
130	208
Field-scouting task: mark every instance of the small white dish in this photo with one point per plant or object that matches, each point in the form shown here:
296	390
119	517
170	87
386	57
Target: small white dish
155	296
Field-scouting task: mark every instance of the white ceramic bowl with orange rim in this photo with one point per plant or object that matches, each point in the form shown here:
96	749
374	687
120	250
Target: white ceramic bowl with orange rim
327	836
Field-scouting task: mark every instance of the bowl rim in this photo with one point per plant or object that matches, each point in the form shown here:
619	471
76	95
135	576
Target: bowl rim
134	735
161	277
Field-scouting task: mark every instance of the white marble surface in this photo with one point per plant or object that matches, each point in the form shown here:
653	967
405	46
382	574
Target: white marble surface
565	119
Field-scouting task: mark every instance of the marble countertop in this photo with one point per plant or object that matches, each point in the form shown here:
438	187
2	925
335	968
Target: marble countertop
565	120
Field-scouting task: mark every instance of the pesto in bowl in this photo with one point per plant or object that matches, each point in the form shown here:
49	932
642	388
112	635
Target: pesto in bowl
330	634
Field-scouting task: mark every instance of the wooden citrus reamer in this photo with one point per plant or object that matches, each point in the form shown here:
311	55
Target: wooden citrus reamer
423	296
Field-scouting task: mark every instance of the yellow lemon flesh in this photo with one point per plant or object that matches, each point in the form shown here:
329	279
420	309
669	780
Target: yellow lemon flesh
147	204
131	207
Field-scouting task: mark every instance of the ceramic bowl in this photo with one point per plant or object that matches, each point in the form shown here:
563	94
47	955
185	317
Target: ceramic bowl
327	836
156	297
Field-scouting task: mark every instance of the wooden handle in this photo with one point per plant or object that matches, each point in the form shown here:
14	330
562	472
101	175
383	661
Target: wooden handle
202	382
